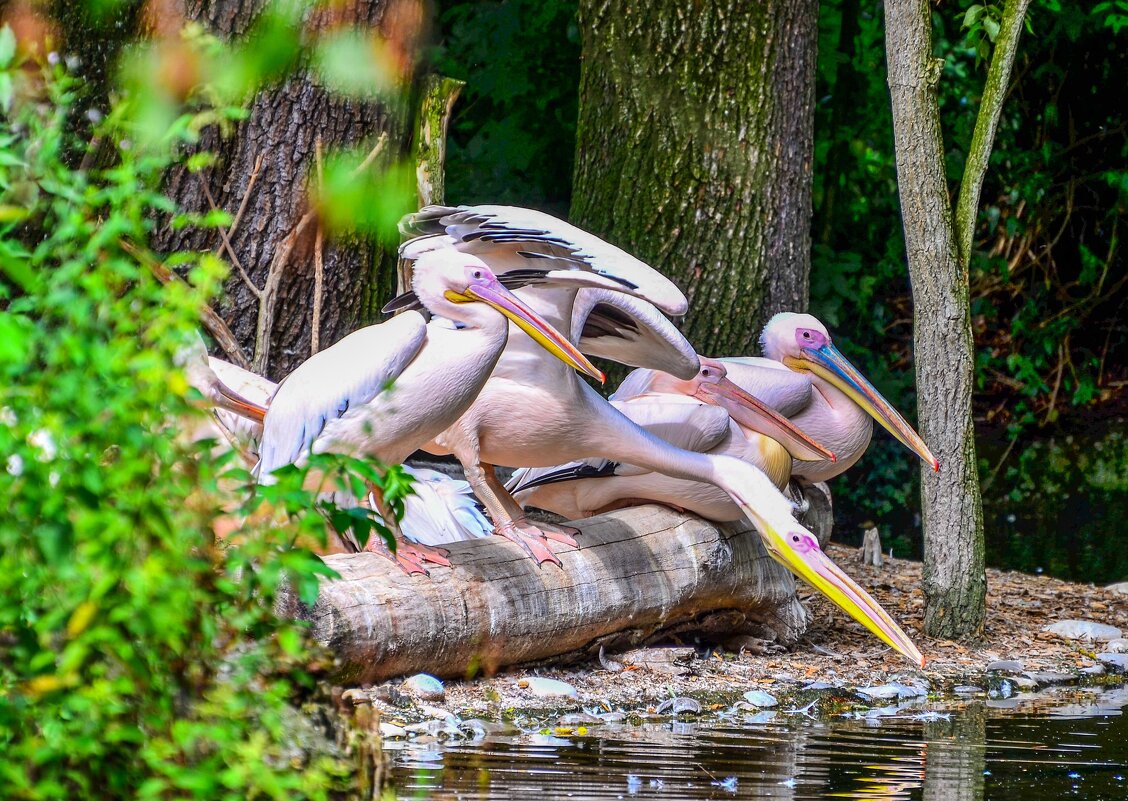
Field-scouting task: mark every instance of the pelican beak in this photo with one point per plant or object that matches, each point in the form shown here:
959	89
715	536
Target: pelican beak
232	401
827	362
750	412
531	323
798	550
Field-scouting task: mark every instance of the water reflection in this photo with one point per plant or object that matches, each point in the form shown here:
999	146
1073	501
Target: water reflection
1066	744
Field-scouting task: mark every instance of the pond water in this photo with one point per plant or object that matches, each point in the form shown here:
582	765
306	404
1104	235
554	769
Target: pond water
1061	744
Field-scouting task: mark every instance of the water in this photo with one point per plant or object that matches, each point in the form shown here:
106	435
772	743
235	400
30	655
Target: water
1065	744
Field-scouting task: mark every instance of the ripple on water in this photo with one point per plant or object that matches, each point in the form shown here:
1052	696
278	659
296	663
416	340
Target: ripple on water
1064	743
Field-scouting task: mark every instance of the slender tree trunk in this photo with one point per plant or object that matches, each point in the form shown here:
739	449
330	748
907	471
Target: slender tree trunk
694	149
938	246
281	135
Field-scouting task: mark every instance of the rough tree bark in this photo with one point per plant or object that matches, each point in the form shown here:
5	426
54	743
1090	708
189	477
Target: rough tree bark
938	246
283	129
694	149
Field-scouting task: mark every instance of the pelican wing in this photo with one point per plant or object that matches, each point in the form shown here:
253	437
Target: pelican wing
347	375
631	331
786	391
508	237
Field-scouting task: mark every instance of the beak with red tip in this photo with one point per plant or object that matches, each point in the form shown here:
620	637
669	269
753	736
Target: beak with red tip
829	363
493	294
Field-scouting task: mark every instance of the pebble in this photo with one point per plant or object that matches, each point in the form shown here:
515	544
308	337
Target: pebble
1118	662
1006	666
391	730
895	690
678	706
1119	646
1051	677
819	685
1023	683
1083	630
425	686
761	699
547	688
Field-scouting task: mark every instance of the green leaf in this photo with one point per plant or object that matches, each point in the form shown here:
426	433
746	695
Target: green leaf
973	13
991	25
7	46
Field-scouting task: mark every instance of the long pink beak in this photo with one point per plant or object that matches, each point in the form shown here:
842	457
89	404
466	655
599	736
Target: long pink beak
750	412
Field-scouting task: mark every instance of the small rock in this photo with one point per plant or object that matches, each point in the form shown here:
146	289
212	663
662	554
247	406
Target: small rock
894	690
678	706
1006	666
1119	646
391	730
547	688
966	689
1083	630
1051	677
761	699
1023	683
819	685
1120	587
1093	670
425	686
356	696
1117	662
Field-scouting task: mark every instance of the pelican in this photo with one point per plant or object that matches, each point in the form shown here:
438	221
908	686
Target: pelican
805	378
387	389
694	415
532	413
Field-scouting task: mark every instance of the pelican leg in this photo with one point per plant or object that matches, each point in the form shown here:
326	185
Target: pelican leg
565	535
493	496
410	558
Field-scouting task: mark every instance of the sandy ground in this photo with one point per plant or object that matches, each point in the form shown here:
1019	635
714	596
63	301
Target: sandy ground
835	658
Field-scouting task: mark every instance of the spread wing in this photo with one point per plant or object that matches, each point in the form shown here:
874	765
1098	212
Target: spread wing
347	375
512	238
631	331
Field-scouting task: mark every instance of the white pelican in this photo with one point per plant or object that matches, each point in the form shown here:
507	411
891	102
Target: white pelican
387	389
806	379
696	415
531	413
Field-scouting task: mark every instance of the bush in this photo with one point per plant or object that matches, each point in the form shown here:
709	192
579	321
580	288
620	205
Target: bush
139	657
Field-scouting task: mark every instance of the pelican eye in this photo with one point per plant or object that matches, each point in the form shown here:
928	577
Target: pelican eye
795	538
477	273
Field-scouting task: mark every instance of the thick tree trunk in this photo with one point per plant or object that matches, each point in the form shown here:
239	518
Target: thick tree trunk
694	150
283	128
638	573
954	580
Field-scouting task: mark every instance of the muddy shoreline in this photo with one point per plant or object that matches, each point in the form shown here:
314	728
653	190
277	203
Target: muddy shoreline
836	666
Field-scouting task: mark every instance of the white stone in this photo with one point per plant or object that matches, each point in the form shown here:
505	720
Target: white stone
1083	630
425	686
761	699
551	687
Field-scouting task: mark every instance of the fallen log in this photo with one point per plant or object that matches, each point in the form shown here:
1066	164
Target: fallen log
638	573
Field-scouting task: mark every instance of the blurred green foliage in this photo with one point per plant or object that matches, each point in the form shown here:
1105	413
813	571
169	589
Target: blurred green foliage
140	656
1047	276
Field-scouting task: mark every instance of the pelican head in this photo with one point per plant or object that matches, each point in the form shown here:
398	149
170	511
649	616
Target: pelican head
802	343
797	549
447	282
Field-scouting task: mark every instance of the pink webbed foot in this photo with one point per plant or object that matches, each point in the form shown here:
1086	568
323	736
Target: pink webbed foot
405	558
534	538
424	553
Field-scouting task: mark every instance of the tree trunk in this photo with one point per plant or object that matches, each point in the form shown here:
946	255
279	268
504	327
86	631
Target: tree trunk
639	573
694	149
954	579
284	126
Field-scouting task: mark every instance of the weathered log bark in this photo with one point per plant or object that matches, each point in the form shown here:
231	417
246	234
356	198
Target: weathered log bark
639	572
282	129
938	248
694	148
